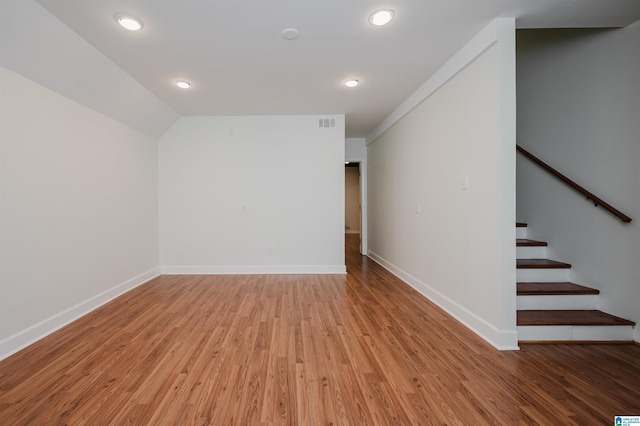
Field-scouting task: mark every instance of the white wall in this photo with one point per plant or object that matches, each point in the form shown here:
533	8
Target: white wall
78	210
579	110
234	188
352	200
355	149
455	246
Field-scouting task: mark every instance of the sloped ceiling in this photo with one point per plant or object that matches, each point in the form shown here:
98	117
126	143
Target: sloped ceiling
234	55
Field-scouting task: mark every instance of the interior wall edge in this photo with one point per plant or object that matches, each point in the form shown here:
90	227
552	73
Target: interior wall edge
474	48
30	54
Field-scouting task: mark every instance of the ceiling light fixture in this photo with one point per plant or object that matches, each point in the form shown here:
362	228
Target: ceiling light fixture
183	84
351	83
129	22
290	33
381	17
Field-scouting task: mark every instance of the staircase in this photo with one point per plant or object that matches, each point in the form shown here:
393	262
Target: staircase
552	309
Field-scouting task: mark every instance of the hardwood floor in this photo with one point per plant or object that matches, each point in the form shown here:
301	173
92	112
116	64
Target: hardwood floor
303	350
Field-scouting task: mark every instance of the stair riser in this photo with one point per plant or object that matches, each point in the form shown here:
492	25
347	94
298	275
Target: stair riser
575	333
521	233
557	302
542	275
531	252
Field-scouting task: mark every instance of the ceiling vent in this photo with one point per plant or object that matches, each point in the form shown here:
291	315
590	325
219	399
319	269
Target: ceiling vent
327	123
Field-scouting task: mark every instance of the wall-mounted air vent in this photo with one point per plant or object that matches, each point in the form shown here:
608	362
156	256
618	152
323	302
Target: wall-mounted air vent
327	123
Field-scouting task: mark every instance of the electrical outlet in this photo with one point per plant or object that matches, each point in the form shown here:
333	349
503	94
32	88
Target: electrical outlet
269	251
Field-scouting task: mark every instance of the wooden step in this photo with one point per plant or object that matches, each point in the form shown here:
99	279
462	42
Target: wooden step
591	318
540	264
521	230
553	289
523	242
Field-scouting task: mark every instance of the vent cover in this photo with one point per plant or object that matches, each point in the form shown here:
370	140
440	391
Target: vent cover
327	123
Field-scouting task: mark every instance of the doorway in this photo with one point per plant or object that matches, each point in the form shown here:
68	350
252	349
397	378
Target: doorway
352	201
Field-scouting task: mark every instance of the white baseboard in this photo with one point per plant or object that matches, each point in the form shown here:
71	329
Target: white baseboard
24	338
253	269
501	339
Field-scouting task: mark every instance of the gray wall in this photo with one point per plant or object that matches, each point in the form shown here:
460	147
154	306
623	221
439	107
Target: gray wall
579	110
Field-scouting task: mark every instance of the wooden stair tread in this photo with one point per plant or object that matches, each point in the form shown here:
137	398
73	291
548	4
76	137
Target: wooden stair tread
521	225
553	288
540	264
523	242
569	317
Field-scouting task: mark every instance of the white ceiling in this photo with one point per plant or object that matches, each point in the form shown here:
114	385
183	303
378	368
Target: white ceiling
234	55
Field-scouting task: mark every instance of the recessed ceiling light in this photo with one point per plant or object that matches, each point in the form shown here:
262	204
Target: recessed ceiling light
129	22
183	84
351	83
381	17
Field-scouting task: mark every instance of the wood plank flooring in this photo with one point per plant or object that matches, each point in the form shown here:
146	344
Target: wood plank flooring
360	349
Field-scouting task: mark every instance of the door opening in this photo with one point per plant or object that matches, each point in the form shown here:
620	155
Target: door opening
352	202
